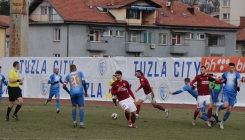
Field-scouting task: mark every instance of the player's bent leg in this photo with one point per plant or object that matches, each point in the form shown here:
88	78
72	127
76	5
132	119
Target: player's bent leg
139	102
20	103
226	116
11	105
195	116
127	115
221	107
57	104
133	117
155	105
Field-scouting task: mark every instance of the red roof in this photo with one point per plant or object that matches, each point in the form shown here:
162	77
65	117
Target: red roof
199	19
240	35
5	21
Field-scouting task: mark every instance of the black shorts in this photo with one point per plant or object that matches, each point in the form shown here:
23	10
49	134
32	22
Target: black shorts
14	93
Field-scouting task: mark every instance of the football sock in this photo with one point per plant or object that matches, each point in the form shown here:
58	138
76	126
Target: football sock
138	109
209	113
17	109
8	111
195	114
127	115
221	107
74	113
226	116
57	104
160	107
81	115
133	118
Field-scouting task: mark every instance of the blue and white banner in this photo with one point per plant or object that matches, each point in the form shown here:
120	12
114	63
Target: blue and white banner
164	75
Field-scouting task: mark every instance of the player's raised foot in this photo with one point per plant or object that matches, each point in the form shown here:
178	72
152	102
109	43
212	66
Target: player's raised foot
167	113
130	124
46	102
217	111
134	126
193	122
7	118
15	117
208	123
221	125
58	111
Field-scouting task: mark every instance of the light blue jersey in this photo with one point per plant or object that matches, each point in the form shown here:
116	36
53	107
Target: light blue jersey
231	82
2	81
187	88
55	81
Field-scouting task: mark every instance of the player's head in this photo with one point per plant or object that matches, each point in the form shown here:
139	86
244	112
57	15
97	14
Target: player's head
187	80
232	67
203	70
16	65
56	70
138	73
73	68
118	75
114	77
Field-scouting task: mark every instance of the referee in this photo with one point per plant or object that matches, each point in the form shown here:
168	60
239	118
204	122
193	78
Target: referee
14	91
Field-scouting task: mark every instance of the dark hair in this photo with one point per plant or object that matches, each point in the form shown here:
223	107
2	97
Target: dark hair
203	67
187	80
0	66
139	71
118	72
15	63
113	75
73	67
231	64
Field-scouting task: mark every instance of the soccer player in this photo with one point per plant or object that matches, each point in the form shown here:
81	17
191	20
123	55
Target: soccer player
54	80
2	81
148	94
121	88
77	89
114	98
232	86
203	94
14	91
202	115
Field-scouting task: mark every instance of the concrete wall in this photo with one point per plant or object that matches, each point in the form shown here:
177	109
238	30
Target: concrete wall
2	42
42	44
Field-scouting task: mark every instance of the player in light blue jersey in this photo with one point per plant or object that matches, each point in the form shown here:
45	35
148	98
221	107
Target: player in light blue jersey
202	114
54	80
232	86
77	89
2	81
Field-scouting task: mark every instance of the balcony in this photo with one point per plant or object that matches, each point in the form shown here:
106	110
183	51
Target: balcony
134	47
45	18
215	50
179	49
97	45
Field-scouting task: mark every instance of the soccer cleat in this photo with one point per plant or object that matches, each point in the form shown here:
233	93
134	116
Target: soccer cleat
46	102
217	111
216	118
221	125
74	124
136	116
7	118
213	123
58	111
82	126
130	124
208	123
134	126
193	122
167	112
15	117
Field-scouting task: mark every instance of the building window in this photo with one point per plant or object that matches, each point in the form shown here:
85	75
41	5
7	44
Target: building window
243	50
162	39
120	33
189	36
212	40
56	34
44	10
176	39
56	55
226	3
132	14
200	36
133	36
94	35
147	37
107	33
226	16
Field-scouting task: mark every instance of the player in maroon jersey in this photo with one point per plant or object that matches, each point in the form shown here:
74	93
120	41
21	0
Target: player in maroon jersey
203	94
148	94
121	88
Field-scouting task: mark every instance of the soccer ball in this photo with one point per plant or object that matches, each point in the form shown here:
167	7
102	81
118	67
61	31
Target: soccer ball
114	116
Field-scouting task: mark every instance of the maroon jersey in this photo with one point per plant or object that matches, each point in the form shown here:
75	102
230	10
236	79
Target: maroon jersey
145	85
202	84
123	94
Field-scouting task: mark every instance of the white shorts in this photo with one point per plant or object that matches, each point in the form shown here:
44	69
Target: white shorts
149	96
128	104
202	99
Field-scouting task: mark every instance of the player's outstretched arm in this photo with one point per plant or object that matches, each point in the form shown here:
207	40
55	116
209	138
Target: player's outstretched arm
65	88
61	80
185	88
85	87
